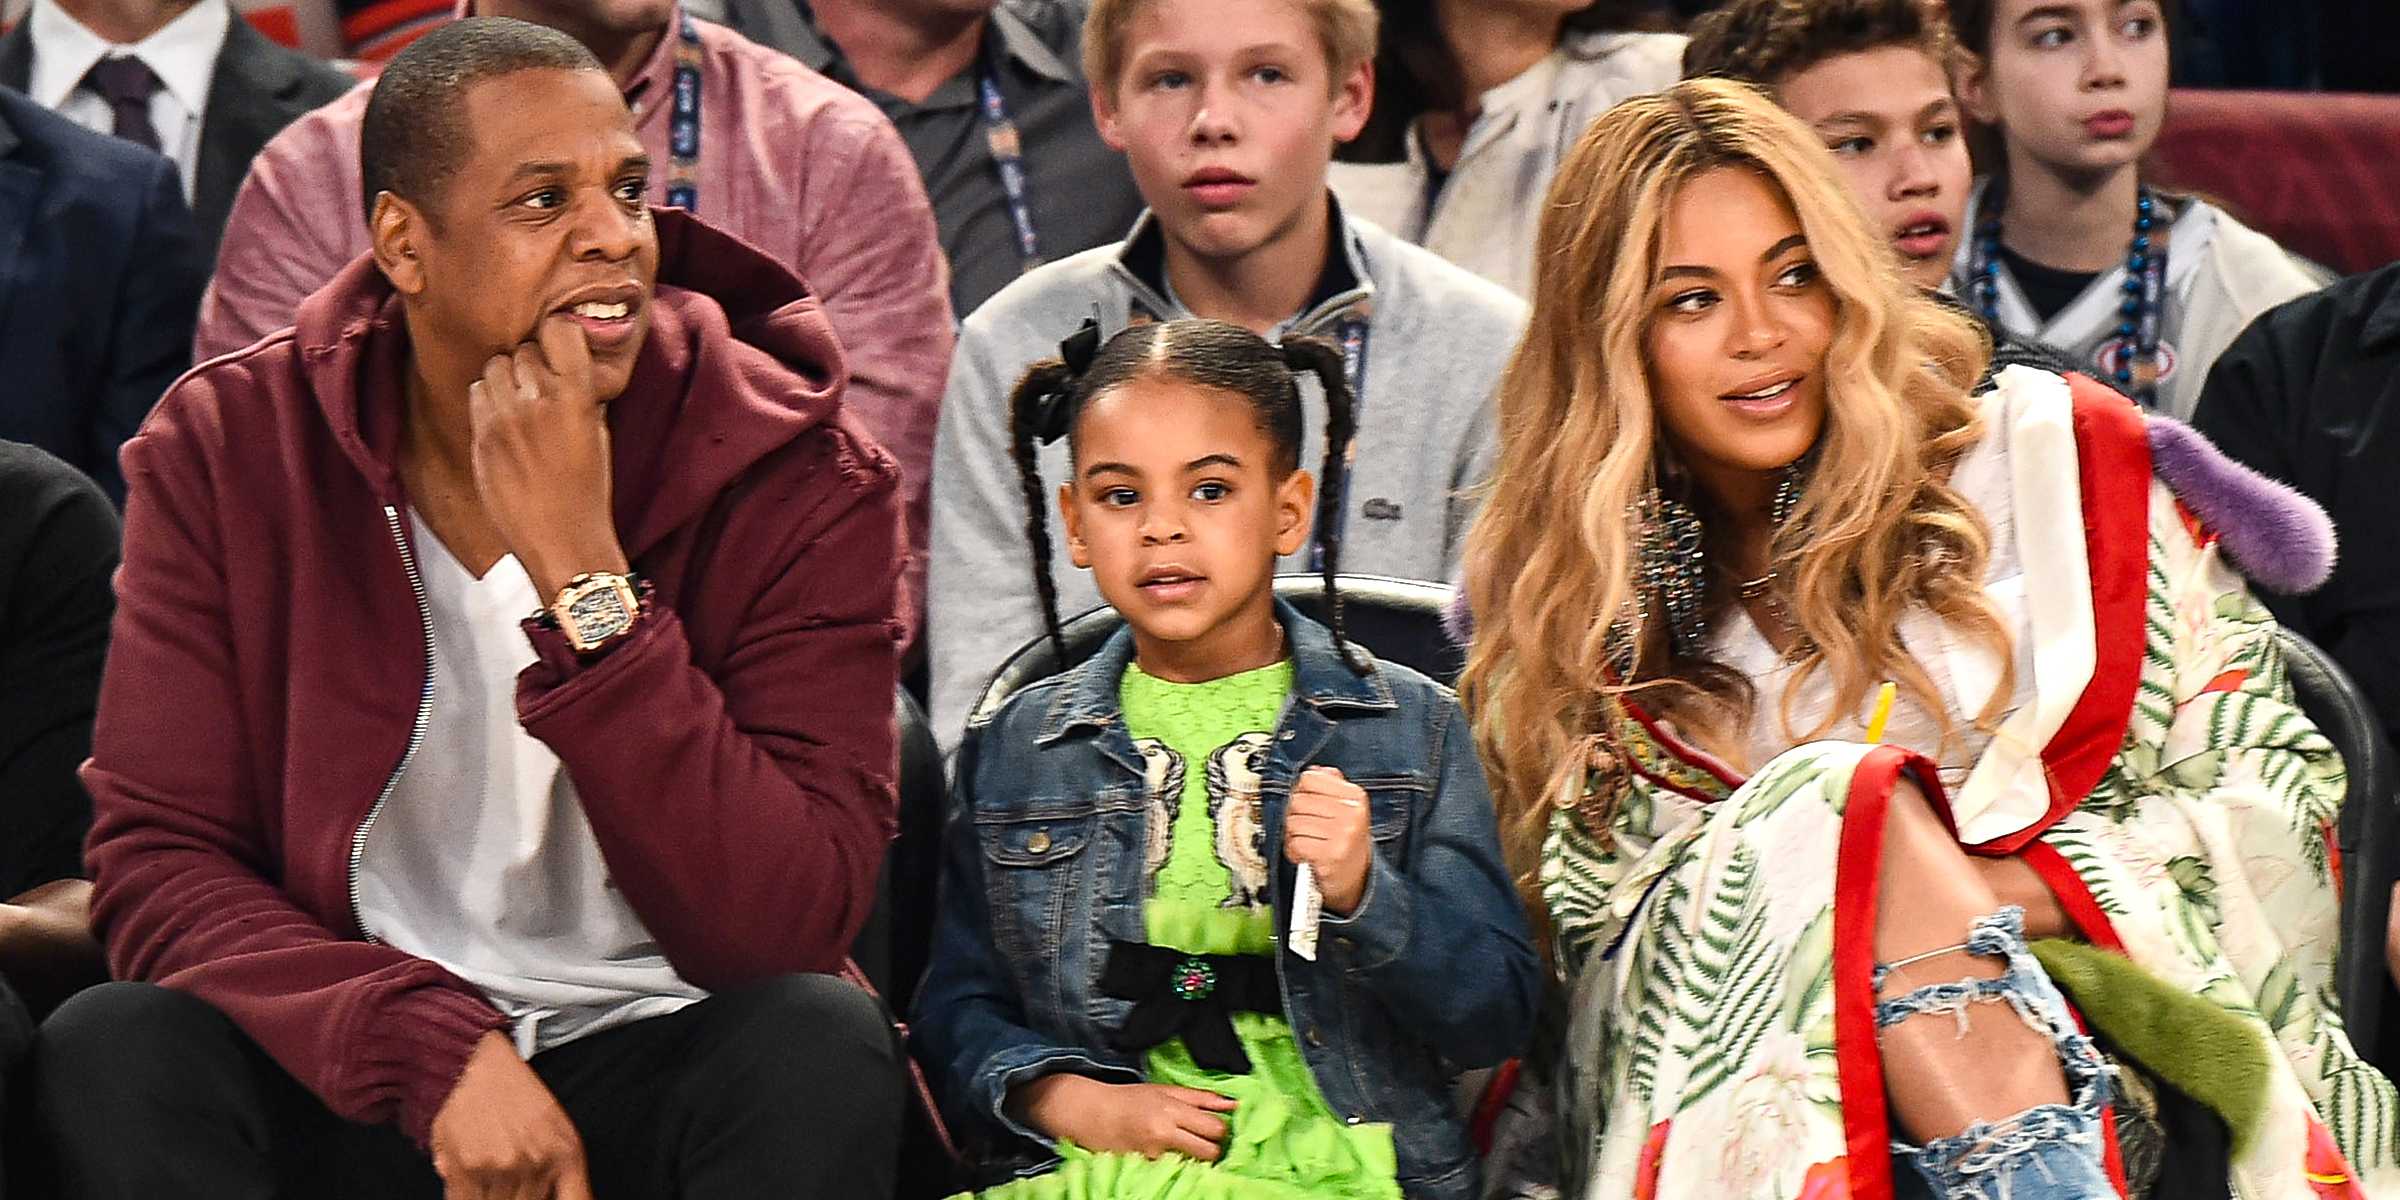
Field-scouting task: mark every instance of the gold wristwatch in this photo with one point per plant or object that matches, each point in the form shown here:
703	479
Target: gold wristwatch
596	609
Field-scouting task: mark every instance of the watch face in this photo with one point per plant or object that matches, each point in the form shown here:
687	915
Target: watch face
598	613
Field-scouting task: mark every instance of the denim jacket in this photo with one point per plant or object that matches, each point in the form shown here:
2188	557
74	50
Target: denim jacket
1434	971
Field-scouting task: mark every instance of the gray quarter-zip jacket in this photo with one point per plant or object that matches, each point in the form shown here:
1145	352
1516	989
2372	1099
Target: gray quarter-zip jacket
1437	340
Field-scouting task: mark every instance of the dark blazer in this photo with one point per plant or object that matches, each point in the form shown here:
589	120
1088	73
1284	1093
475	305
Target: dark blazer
100	280
58	547
259	87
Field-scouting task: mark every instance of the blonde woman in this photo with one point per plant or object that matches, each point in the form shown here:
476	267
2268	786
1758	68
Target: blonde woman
1743	484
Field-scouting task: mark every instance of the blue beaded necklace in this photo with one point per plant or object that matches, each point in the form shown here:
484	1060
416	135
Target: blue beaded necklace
2141	308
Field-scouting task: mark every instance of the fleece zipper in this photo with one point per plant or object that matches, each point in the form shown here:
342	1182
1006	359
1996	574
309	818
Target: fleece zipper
416	733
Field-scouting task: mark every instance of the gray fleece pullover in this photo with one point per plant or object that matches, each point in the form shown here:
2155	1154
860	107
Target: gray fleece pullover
1437	340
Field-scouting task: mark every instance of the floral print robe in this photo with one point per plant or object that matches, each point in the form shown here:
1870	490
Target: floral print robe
1718	942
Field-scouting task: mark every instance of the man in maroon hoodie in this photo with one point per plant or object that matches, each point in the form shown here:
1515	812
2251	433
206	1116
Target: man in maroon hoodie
552	895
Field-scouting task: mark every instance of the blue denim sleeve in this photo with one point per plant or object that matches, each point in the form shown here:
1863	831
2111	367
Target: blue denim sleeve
1442	938
970	1030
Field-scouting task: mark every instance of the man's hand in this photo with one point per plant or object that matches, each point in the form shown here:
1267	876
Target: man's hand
541	457
502	1136
1325	826
1149	1119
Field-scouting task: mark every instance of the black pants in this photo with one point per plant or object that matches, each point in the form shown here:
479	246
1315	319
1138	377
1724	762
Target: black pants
787	1088
16	1042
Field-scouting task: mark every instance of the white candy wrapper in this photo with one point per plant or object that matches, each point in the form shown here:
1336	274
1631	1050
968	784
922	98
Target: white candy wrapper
1308	908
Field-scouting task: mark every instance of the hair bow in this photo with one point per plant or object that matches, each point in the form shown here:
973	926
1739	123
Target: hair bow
1056	416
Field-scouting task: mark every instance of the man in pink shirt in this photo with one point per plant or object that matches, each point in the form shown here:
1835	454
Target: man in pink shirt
776	154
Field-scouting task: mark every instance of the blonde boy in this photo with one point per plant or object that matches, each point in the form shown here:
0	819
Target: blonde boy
1228	112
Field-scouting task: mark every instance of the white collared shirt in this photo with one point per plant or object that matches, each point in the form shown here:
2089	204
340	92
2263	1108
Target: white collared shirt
183	55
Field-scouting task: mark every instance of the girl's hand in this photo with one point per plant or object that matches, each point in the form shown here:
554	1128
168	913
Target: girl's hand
1149	1119
1325	826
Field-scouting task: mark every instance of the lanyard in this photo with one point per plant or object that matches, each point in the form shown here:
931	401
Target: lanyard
683	122
1008	158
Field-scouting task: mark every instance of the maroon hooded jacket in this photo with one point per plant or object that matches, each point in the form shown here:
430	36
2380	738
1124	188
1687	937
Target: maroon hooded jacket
267	678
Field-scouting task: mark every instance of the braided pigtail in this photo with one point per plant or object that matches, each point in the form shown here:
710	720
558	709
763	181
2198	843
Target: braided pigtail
1030	408
1341	426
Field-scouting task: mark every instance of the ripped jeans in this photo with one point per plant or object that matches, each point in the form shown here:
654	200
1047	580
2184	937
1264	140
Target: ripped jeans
2047	1152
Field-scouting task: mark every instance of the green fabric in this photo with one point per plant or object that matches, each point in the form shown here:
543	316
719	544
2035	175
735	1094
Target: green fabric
1198	723
1285	1143
2199	1048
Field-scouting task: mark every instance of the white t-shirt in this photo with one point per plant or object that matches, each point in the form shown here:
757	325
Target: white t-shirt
481	859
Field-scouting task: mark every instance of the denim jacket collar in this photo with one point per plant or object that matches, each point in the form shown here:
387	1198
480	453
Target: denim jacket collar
1088	699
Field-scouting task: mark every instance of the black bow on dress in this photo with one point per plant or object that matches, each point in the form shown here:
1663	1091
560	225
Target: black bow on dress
1192	996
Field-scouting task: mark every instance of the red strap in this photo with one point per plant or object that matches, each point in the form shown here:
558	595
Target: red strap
916	1073
1496	1094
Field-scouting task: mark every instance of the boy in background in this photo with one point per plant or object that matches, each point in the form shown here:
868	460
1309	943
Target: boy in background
1228	112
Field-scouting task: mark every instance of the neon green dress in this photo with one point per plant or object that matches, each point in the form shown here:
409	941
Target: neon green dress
1209	894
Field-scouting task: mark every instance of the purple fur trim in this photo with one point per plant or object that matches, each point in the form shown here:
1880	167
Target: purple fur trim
1458	620
2273	534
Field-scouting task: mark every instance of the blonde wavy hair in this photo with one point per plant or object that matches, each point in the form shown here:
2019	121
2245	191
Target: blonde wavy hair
1551	564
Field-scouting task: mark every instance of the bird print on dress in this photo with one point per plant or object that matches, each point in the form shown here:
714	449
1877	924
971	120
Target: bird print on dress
1162	780
1233	807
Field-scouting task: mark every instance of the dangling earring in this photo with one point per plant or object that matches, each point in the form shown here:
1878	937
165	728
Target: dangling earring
1672	566
1787	493
1787	497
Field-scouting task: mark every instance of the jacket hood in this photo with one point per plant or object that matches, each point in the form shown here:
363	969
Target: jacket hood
740	361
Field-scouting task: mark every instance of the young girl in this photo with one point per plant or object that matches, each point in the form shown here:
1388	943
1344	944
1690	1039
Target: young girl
1129	989
1476	101
2065	243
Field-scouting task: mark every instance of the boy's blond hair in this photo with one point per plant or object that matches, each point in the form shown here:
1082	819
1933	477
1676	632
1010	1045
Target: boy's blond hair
1346	28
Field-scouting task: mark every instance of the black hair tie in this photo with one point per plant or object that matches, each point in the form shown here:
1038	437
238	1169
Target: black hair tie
1054	416
1192	996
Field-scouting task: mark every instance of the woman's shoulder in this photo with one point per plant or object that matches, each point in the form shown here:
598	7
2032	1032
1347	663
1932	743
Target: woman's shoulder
2025	399
2052	444
2023	394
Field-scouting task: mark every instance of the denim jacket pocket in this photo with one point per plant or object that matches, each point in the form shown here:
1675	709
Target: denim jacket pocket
1393	802
1034	867
1034	838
